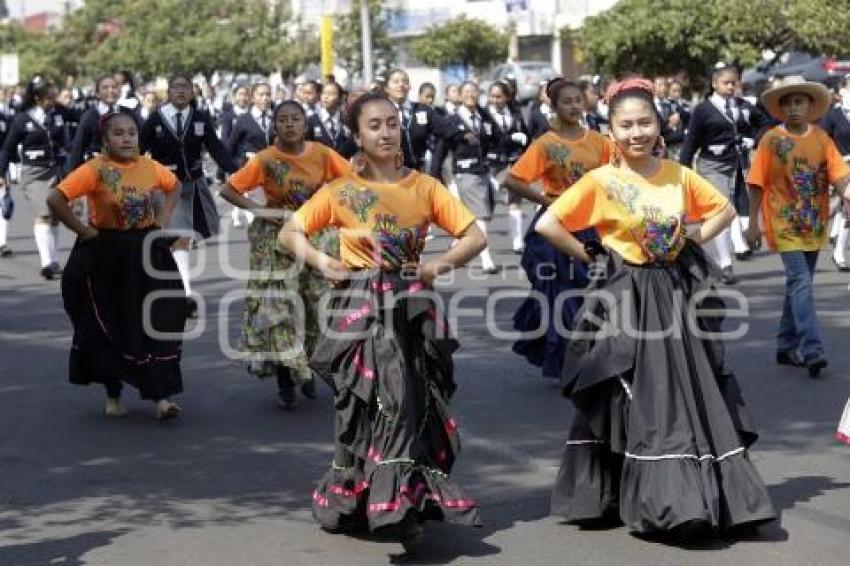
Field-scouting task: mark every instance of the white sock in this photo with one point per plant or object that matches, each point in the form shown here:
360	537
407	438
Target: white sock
42	242
181	258
249	216
516	227
234	215
4	231
837	222
54	243
486	258
738	243
840	242
722	245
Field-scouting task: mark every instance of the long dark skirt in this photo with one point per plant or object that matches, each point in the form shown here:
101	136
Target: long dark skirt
392	374
550	274
661	430
104	287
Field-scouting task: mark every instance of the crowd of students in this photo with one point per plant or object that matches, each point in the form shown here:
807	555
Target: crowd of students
350	183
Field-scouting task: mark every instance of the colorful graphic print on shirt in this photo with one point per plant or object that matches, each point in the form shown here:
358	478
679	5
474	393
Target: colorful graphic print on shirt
657	233
132	206
398	245
804	214
359	200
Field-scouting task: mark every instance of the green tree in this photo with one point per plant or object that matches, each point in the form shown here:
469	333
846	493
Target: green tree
660	37
461	41
35	50
348	36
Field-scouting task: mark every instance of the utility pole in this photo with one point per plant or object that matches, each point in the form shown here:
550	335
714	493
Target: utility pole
366	35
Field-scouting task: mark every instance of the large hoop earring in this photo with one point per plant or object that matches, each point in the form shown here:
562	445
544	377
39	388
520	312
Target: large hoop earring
399	160
358	162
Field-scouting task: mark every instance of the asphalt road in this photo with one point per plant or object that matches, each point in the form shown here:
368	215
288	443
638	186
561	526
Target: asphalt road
230	481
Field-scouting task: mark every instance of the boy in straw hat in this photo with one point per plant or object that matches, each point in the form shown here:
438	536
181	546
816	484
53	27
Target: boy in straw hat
789	181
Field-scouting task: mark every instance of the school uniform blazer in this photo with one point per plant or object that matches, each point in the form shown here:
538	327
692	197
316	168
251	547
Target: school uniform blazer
227	119
503	150
40	145
468	157
836	124
246	137
712	134
182	155
343	144
424	122
538	124
86	140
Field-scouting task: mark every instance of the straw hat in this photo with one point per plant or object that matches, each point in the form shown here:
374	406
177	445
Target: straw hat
795	84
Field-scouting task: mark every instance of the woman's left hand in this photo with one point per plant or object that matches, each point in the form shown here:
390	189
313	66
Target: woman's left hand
427	272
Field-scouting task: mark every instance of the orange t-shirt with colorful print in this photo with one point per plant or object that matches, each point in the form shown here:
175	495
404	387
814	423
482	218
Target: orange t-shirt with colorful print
639	218
383	223
794	173
288	181
120	195
559	163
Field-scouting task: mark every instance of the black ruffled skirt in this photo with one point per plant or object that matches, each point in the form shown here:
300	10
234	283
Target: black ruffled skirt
104	287
388	356
661	431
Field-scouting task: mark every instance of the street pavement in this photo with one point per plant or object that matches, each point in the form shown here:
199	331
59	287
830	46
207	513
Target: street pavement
230	481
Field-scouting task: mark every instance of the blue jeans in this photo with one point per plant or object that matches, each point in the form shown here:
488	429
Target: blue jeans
799	329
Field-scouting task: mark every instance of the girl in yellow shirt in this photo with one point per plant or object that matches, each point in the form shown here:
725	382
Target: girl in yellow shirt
660	436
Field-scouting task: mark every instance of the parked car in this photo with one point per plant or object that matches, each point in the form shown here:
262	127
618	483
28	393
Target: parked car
527	74
820	68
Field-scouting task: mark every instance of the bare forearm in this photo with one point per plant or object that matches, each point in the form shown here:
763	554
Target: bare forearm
709	229
525	191
755	201
235	198
58	204
166	207
467	247
549	227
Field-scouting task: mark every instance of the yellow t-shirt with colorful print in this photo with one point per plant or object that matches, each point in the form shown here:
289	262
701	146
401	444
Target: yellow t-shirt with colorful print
639	218
289	180
794	173
383	224
119	194
559	162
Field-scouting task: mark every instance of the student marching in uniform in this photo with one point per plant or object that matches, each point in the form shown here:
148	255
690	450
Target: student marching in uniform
289	172
107	283
327	125
836	123
39	129
176	135
723	129
541	113
387	349
789	181
251	133
86	142
510	137
469	160
558	159
418	122
660	434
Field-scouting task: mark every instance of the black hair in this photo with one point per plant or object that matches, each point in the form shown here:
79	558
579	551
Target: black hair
255	86
633	93
102	78
555	87
718	72
106	119
396	71
424	86
277	110
128	78
504	87
355	109
341	91
38	87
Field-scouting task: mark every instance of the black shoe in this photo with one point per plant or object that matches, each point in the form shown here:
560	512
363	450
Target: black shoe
191	308
309	389
815	363
744	256
5	251
51	271
285	391
840	265
727	277
790	358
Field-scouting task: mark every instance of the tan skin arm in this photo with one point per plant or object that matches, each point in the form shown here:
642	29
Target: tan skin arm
753	233
58	204
550	228
469	245
236	198
165	208
525	191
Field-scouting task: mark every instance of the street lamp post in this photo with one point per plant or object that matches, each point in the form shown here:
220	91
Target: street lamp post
366	33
